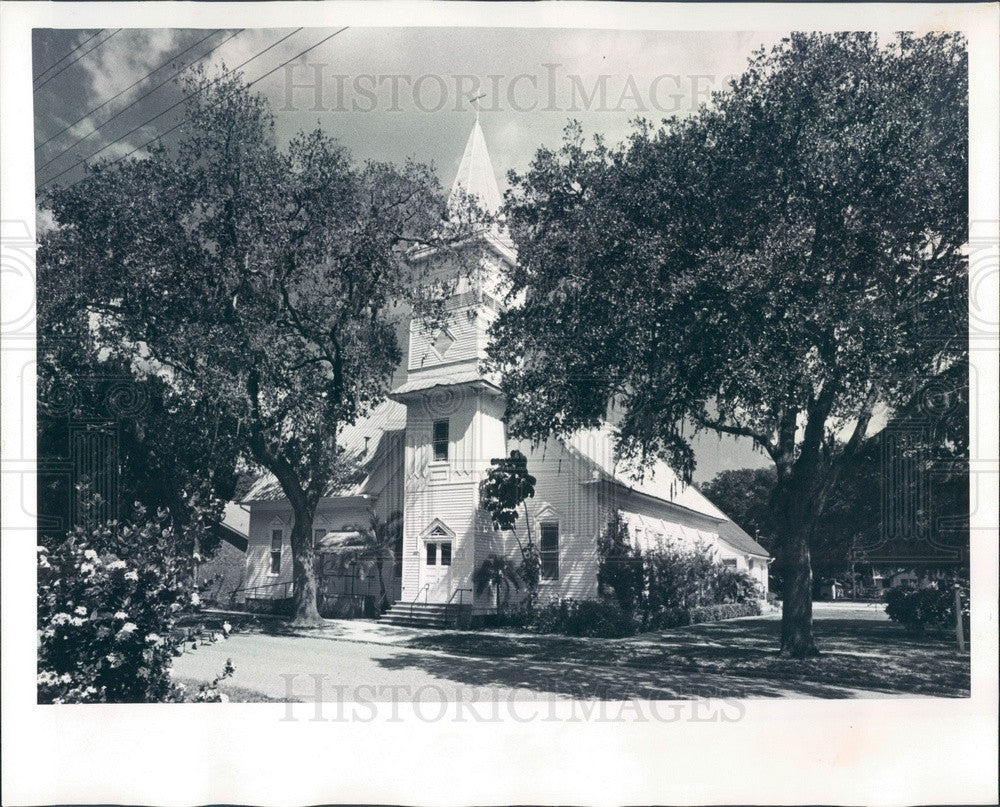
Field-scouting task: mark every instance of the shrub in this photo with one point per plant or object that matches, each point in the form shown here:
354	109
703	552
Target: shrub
716	613
601	618
736	586
108	598
919	609
683	578
620	572
598	618
678	617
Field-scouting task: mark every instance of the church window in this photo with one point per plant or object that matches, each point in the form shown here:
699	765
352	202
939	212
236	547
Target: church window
549	550
440	440
275	567
397	557
446	553
443	341
432	551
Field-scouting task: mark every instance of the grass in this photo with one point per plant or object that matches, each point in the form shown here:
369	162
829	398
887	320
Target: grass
859	656
236	694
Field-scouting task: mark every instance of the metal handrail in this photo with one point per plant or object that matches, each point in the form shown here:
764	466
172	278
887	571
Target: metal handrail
461	598
246	589
449	606
426	589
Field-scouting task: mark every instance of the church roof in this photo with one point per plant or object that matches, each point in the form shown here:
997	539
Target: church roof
420	384
371	439
475	174
661	482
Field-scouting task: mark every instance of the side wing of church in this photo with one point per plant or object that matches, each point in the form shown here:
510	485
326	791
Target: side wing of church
428	447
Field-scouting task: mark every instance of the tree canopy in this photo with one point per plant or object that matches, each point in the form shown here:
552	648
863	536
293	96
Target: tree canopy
786	265
263	283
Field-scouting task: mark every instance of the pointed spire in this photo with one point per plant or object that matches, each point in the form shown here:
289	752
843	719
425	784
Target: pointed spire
475	173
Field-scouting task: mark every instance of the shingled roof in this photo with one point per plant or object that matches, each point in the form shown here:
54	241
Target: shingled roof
661	482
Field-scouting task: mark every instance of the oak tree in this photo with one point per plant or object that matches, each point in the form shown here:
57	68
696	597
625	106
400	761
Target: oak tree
265	283
785	265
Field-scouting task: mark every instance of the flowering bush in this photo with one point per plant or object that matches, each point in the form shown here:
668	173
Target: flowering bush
108	598
209	693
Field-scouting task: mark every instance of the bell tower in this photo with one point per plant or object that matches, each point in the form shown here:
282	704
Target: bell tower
454	420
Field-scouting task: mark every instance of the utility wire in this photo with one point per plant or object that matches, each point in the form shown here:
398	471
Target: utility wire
129	87
164	112
70	64
64	58
259	78
127	107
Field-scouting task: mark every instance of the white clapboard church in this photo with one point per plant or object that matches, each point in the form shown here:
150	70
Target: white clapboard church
425	451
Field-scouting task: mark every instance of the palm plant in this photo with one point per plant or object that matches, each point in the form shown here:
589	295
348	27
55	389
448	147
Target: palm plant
497	572
375	542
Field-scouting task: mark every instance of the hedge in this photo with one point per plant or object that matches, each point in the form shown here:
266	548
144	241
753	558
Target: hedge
678	617
605	619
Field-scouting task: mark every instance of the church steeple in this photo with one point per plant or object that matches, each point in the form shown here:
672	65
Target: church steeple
475	173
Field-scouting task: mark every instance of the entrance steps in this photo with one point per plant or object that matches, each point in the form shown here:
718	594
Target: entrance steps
426	615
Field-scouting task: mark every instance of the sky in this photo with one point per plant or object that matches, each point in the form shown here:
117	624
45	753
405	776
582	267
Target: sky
388	94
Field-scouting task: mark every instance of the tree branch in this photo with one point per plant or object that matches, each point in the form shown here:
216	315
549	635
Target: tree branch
737	431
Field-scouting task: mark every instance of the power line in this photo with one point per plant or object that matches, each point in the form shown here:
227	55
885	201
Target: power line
164	112
256	80
259	78
129	87
132	104
64	58
70	64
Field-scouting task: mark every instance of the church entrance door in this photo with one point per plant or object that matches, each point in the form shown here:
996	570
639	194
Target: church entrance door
436	569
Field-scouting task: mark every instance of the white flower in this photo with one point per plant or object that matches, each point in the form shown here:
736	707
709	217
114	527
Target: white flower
226	628
80	611
121	615
154	638
133	576
61	618
41	550
87	569
115	565
90	554
195	599
126	630
223	697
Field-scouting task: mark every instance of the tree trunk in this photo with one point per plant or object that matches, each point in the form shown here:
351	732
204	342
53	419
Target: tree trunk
796	612
793	505
305	611
381	582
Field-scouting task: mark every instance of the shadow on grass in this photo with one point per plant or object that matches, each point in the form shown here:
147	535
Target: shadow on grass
726	659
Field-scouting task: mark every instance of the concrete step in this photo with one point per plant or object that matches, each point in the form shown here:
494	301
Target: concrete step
425	614
416	622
